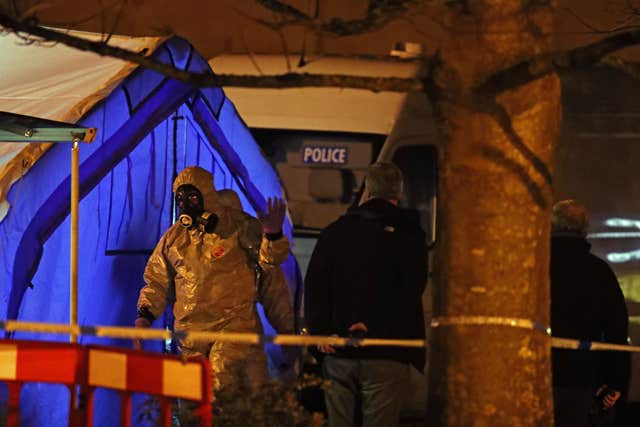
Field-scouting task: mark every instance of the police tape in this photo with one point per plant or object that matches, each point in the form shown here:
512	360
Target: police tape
133	333
584	345
200	336
514	322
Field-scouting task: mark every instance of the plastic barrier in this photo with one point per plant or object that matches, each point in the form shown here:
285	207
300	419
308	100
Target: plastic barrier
306	340
169	377
27	361
83	369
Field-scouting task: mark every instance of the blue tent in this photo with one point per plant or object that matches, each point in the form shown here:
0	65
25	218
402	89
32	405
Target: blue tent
149	128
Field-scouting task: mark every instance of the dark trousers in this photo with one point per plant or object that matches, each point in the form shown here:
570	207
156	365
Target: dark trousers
379	385
572	407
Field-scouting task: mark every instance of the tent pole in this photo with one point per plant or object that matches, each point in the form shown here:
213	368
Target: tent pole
73	285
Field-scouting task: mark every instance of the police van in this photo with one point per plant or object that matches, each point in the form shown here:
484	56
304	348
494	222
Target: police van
322	139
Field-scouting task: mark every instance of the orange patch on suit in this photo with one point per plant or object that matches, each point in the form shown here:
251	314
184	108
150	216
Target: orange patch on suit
218	251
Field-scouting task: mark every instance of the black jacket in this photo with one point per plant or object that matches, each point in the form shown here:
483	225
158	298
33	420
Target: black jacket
587	304
370	266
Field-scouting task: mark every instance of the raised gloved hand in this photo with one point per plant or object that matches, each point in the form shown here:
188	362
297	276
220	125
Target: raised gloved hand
273	217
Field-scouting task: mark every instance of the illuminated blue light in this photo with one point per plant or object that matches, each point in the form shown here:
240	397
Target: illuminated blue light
614	235
619	257
622	222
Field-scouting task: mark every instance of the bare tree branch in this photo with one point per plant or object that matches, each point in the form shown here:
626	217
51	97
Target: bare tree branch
580	57
369	57
116	21
632	69
31	11
379	13
393	84
103	23
275	26
631	8
252	57
98	14
283	41
284	9
624	26
501	81
285	49
14	5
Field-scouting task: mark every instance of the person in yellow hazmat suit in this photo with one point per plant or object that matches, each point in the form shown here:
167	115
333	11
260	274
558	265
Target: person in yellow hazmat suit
271	286
204	259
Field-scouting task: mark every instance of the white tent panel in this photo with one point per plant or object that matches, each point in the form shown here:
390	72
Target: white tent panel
57	82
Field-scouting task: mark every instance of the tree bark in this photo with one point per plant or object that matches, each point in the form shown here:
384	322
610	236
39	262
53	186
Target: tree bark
492	251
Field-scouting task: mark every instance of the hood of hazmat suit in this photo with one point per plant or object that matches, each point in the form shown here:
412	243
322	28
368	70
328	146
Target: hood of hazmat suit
213	274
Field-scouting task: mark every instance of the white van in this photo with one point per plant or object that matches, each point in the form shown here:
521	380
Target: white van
321	140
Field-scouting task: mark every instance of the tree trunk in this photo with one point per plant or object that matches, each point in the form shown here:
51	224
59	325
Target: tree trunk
492	252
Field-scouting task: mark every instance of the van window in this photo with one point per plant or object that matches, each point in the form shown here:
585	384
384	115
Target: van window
303	247
321	172
419	168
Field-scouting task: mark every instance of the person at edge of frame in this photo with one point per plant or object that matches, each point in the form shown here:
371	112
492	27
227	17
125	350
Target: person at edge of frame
586	304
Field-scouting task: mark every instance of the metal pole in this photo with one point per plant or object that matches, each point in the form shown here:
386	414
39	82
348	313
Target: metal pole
75	193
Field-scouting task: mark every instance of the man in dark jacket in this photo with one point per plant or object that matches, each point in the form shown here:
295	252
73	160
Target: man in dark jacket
365	278
586	304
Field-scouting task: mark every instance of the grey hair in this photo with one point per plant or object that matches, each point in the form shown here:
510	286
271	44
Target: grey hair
569	216
384	179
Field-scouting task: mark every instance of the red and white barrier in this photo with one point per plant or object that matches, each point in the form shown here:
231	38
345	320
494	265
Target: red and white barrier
86	368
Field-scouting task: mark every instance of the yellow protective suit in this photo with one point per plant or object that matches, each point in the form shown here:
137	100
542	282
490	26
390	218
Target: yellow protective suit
214	281
273	291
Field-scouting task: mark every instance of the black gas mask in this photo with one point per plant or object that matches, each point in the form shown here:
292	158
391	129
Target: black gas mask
191	210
